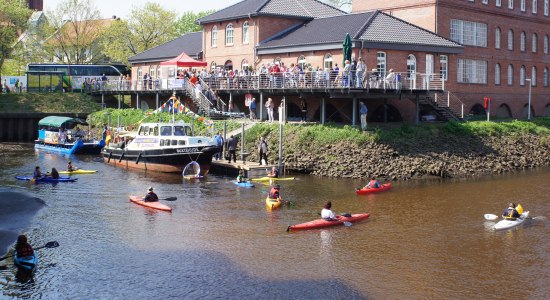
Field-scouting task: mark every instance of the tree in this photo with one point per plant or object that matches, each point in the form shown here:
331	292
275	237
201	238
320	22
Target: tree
75	27
186	23
145	28
13	21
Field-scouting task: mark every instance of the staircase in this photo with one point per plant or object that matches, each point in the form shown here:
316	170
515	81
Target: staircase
447	105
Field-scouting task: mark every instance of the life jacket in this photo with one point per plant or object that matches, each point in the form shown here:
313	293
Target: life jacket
274	193
511	214
373	184
24	251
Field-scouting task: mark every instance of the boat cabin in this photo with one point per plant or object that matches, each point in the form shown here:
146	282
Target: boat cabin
151	135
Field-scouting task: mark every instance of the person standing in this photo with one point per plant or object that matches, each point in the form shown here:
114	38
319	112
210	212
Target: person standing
363	110
269	106
361	68
262	149
252	107
232	147
219	140
303	107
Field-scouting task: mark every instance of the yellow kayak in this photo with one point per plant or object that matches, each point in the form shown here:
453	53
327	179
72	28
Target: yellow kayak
272	204
271	178
78	172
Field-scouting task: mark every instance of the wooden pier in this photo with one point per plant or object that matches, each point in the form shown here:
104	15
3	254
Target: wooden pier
251	169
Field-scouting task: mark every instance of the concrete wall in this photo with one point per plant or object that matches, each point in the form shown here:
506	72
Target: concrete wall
23	127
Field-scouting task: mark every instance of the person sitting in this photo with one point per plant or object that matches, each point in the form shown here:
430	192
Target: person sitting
22	247
274	173
54	174
151	196
326	213
70	167
275	192
373	184
511	212
37	174
240	177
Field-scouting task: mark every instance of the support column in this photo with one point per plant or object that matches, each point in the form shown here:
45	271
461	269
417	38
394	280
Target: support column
157	102
119	100
417	121
354	112
261	106
102	101
137	100
323	110
385	110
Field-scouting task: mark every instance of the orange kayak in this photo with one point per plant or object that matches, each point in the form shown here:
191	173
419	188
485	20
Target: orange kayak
383	187
153	205
321	223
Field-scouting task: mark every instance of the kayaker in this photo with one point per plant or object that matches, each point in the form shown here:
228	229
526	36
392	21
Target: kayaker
22	247
151	196
70	167
240	177
274	173
37	174
511	213
275	192
327	213
54	174
373	184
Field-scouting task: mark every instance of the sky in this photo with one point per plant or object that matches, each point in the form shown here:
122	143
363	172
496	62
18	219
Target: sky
121	8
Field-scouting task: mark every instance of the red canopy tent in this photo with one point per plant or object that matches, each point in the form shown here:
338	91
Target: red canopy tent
183	60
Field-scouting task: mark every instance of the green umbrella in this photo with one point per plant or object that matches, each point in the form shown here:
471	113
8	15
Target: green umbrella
346	49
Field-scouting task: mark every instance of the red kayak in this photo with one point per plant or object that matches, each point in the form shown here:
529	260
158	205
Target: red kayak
153	205
383	187
322	223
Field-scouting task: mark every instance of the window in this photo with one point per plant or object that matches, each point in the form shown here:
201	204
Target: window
140	73
510	40
511	4
381	63
522	5
522	76
510	75
497	74
534	43
485	2
159	73
411	65
469	33
152	71
534	6
429	64
229	34
546	8
545	78
244	64
302	62
472	71
545	44
534	76
498	3
214	37
444	66
327	62
522	41
245	32
497	38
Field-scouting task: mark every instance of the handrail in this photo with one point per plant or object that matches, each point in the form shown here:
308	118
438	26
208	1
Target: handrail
451	101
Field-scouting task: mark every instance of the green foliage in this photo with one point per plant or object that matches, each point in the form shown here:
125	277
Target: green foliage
186	22
13	20
48	103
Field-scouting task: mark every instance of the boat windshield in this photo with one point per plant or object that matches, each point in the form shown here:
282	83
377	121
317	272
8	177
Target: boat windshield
178	131
166	130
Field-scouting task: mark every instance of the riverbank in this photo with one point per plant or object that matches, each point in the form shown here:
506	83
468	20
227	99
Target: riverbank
48	103
445	150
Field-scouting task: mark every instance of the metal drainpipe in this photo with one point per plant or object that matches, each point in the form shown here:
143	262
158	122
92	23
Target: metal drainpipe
436	9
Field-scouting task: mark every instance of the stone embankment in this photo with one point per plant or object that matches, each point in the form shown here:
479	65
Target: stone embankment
445	157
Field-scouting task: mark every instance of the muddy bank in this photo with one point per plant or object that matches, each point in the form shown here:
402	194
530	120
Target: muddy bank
441	156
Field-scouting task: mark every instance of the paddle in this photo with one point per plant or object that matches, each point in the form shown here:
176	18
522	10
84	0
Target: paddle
346	223
490	217
53	244
170	199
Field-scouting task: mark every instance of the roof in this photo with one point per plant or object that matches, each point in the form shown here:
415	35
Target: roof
371	29
190	43
301	9
183	60
54	121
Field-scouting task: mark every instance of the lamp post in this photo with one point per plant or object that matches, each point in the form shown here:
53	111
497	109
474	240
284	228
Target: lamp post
529	100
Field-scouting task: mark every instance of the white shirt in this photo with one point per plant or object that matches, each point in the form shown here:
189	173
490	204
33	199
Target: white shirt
327	214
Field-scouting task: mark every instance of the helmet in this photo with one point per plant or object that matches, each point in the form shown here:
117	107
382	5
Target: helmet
277	186
150	189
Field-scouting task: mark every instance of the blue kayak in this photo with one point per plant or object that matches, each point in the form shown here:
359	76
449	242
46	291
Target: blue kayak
243	184
47	179
27	263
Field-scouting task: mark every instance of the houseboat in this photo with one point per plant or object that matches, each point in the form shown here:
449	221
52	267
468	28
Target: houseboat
162	147
63	135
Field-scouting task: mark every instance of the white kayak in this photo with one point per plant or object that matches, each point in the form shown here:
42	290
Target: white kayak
506	224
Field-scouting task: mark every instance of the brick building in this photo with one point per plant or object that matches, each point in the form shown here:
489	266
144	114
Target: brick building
505	43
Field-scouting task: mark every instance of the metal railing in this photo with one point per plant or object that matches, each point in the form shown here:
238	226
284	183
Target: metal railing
451	101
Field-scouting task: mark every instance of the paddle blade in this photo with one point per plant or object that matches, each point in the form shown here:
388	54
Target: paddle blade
53	244
347	224
170	199
490	217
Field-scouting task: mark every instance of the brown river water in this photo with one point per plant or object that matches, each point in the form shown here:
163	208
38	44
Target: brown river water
424	240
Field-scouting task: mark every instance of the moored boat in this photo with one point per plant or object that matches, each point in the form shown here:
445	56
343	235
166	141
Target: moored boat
163	147
322	223
61	135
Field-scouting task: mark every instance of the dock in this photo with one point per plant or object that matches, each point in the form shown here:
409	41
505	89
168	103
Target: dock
251	169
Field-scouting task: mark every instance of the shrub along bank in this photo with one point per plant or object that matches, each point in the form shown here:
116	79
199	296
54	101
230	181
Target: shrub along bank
47	103
442	150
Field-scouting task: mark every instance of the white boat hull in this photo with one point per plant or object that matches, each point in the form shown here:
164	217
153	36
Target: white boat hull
507	224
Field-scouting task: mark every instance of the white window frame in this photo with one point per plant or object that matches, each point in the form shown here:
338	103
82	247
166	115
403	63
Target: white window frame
469	33
498	3
381	60
510	74
471	71
246	38
302	62
522	41
511	40
497	38
497	74
545	45
244	63
533	76
485	2
327	61
522	76
229	34
411	65
534	42
522	5
444	67
534	6
545	77
510	4
546	7
214	37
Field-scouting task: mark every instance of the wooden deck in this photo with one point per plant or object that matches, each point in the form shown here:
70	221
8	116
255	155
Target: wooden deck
251	169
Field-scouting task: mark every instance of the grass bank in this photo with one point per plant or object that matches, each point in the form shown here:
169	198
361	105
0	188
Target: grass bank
48	103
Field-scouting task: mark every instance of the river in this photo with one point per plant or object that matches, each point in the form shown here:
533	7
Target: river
425	239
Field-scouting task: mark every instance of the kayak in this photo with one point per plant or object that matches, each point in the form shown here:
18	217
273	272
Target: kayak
266	178
322	223
272	204
506	224
27	263
78	172
48	179
153	205
243	184
383	187
193	177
